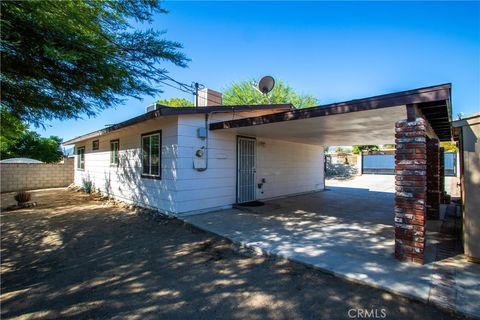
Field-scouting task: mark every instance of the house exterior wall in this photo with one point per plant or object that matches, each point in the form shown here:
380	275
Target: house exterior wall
30	176
214	187
471	187
287	167
125	181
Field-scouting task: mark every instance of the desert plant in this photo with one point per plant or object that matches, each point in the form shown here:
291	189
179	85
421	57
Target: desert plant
87	185
22	197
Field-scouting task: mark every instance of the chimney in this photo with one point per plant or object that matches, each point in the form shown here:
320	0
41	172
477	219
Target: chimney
209	97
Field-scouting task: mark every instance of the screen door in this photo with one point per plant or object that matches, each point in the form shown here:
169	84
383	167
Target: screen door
246	169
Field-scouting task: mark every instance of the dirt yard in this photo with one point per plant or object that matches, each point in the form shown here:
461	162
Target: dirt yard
73	257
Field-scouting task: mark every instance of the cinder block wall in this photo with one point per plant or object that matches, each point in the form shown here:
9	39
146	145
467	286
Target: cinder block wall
22	176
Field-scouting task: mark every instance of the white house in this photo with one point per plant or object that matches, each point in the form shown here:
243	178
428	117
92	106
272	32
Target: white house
191	160
168	159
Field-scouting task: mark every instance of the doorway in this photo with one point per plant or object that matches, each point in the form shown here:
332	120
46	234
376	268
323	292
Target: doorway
246	169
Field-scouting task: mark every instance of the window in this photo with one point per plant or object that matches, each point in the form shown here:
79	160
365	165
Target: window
95	144
81	158
114	147
151	154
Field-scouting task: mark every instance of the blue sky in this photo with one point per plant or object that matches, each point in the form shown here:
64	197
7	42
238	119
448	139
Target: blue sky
335	51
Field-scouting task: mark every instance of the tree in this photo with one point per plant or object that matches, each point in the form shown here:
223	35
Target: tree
388	146
243	93
11	130
358	149
63	59
449	146
341	150
31	145
175	102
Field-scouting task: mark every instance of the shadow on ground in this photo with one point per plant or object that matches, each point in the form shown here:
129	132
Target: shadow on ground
72	258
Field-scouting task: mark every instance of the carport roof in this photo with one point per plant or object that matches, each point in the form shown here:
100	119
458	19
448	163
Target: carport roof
369	125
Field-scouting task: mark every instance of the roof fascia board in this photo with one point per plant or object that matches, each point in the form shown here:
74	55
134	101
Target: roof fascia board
169	111
435	93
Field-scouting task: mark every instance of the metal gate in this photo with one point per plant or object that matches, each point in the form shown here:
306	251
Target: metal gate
246	159
378	163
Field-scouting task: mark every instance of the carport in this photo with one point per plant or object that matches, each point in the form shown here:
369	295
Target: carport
415	120
346	232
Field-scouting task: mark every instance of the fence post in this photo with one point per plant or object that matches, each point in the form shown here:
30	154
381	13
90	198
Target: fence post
360	163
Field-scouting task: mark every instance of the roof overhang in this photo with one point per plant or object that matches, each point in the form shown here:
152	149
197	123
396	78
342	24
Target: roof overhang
362	121
464	122
163	111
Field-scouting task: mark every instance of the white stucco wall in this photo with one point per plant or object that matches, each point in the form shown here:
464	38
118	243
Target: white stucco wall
287	167
125	182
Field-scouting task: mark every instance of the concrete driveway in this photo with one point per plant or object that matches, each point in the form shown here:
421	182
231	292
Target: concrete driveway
336	224
348	231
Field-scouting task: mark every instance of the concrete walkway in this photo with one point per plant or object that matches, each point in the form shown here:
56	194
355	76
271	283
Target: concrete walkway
348	231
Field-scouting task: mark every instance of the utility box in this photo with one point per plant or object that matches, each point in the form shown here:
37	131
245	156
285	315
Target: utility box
202	133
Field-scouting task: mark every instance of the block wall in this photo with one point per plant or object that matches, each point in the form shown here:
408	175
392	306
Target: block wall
23	176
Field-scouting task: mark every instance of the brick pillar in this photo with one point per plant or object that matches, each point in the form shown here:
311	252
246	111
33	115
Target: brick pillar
433	179
410	187
442	175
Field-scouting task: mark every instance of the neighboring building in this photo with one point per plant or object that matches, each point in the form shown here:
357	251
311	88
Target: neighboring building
468	133
20	160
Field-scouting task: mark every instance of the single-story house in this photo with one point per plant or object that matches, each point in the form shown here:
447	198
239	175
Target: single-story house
191	160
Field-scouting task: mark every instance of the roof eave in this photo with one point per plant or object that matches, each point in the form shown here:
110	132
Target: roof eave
171	111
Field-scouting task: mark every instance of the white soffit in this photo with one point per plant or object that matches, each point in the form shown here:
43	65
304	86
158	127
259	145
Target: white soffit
354	128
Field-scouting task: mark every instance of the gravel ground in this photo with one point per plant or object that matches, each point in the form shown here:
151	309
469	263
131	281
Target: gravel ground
73	257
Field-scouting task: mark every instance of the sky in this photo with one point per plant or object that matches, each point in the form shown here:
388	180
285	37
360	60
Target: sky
336	51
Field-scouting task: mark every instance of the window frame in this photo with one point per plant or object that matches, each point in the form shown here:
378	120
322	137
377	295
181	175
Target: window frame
151	134
115	164
79	161
96	144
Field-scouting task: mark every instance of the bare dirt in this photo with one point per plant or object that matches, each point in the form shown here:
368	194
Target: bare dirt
72	257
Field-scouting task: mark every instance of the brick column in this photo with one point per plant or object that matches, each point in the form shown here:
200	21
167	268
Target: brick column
442	175
433	179
410	187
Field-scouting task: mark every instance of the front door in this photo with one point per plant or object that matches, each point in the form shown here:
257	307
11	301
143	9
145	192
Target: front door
246	169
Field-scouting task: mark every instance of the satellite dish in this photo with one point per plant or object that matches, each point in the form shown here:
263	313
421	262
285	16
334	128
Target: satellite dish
266	84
